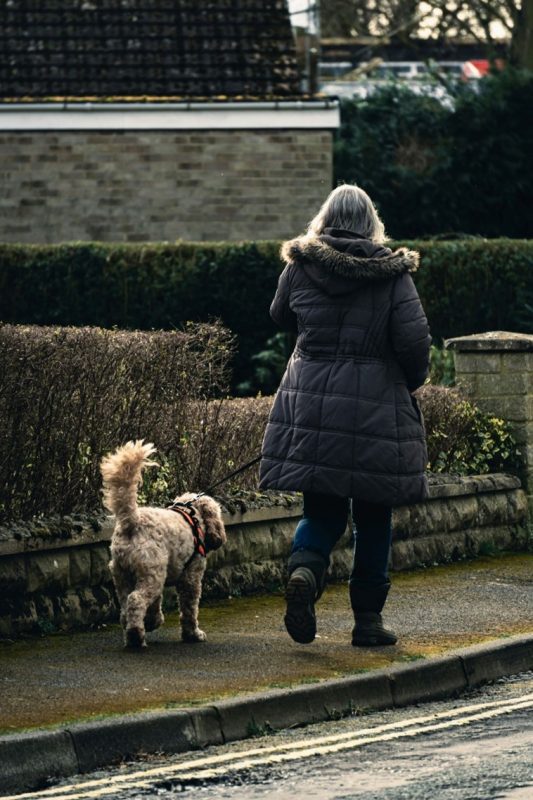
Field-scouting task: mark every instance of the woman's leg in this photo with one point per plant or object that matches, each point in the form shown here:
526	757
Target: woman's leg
373	533
369	581
323	523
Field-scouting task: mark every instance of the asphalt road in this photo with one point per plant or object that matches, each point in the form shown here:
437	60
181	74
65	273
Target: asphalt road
477	747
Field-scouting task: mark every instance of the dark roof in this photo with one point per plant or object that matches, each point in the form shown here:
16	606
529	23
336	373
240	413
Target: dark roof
148	49
361	49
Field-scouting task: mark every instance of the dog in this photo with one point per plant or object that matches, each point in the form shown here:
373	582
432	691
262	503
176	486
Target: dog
154	547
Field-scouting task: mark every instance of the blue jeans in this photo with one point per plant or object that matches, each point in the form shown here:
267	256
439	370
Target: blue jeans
324	521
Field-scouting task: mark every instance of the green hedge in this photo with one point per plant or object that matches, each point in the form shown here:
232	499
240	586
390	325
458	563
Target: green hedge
467	285
143	286
465	166
474	285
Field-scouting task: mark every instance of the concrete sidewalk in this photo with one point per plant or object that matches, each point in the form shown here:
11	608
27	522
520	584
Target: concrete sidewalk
86	703
83	676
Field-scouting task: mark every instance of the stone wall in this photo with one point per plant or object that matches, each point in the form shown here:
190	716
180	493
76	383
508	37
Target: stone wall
54	574
495	369
157	185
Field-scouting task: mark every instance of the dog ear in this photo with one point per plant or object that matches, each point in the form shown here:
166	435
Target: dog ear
214	527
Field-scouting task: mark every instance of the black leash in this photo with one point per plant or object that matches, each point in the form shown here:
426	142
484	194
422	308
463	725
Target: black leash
231	475
187	510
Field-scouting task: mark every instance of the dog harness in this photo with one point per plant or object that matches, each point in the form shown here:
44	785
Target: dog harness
189	515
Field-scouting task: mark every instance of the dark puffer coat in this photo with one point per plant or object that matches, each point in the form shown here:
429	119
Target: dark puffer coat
344	421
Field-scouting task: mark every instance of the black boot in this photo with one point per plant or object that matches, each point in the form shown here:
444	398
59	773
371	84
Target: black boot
307	577
367	604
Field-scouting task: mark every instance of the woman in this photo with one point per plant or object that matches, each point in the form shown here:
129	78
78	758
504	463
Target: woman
344	423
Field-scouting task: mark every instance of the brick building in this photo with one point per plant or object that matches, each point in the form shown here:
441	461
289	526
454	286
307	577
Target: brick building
128	120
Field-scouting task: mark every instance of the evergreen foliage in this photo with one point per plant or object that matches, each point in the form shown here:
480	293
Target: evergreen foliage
462	439
146	286
466	286
464	167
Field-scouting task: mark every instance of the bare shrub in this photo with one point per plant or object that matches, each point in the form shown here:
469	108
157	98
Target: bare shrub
68	395
219	437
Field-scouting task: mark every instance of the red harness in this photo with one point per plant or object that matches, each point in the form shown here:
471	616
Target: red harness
188	514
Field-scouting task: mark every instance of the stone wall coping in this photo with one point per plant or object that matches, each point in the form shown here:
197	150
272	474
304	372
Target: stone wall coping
54	534
246	516
492	341
79	530
458	485
76	530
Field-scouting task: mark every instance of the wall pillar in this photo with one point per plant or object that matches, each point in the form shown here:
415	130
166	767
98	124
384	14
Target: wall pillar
495	370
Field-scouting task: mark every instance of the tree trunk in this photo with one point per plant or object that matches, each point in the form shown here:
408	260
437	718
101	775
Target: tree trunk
522	44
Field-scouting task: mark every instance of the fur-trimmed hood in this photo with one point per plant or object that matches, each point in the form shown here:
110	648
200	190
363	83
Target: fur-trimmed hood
352	258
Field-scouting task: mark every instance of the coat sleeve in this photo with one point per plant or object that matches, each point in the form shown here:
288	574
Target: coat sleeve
280	310
409	331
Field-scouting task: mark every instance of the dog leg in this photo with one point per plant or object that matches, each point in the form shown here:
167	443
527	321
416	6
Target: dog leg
135	612
190	590
146	593
123	588
154	616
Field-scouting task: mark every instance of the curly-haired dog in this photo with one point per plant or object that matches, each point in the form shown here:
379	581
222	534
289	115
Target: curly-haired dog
154	547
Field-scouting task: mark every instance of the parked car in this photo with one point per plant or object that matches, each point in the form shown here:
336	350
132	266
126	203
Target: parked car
336	77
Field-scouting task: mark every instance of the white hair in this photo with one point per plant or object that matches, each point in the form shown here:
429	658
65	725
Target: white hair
349	208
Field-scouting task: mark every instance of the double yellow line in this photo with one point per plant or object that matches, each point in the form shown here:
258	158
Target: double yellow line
216	766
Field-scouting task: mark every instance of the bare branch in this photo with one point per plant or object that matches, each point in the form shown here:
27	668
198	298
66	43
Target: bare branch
438	18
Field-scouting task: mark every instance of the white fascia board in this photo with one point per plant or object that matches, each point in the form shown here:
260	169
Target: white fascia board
166	116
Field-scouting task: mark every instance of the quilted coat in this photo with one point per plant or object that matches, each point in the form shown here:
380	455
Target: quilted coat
344	421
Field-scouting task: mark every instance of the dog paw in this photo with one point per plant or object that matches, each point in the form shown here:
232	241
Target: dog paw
193	636
135	639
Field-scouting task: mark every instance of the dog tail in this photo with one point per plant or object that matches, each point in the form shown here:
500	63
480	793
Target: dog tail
122	474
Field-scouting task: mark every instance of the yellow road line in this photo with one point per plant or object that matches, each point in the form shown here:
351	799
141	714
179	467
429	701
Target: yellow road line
206	767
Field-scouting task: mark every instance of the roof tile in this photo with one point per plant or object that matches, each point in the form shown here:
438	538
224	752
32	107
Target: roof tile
111	49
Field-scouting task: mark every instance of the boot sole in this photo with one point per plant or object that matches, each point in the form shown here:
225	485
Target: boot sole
372	641
300	619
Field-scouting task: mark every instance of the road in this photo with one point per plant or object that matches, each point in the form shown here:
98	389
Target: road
475	747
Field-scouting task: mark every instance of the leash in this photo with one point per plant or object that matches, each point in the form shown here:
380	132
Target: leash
231	475
188	512
209	489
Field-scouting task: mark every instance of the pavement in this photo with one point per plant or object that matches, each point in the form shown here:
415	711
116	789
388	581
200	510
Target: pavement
73	702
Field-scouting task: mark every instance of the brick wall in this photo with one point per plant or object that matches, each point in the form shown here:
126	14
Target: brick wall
161	185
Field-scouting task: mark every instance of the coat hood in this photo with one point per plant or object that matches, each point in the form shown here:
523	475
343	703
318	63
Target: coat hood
338	259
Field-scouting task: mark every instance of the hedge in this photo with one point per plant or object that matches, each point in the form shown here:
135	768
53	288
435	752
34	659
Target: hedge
466	285
475	285
147	286
462	439
69	395
464	166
